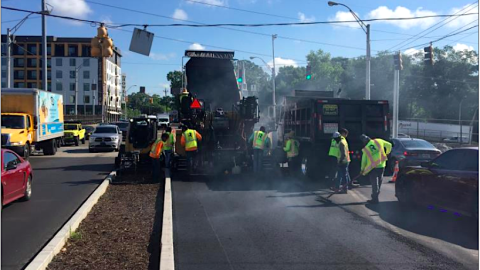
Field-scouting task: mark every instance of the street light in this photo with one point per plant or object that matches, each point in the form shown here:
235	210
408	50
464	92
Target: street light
125	98
366	29
273	83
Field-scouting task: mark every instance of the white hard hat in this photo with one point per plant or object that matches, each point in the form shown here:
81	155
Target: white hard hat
336	134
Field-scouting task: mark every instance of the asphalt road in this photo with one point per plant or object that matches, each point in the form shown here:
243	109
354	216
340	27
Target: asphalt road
280	223
61	183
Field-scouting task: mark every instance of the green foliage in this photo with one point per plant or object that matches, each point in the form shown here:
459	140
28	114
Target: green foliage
74	236
139	103
175	79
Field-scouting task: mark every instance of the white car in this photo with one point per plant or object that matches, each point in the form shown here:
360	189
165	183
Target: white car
456	140
105	137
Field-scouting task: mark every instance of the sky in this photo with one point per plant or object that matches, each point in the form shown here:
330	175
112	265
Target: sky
291	46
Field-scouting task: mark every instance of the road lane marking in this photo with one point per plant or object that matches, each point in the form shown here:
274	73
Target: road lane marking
167	261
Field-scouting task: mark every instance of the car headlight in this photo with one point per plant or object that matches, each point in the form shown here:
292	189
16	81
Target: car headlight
114	138
17	143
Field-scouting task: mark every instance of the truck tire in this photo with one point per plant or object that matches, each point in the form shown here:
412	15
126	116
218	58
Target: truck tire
49	148
77	141
59	143
83	140
26	151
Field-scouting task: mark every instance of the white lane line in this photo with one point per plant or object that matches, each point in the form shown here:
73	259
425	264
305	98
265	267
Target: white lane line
167	261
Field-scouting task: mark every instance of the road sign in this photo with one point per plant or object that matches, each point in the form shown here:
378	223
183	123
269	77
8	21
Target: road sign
195	104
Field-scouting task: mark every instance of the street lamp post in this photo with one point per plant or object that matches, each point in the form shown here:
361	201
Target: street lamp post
273	81
366	29
273	76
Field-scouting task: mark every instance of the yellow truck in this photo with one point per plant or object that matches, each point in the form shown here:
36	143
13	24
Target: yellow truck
32	119
74	133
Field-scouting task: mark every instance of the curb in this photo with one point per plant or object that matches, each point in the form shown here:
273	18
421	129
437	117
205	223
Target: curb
45	256
167	261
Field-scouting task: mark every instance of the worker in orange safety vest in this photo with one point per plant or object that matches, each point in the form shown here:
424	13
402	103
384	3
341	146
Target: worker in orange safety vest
155	153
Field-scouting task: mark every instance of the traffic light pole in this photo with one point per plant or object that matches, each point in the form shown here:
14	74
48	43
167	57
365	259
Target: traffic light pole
44	47
367	81
396	90
273	82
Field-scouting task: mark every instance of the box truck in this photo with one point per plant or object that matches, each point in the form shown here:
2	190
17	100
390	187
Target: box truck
32	119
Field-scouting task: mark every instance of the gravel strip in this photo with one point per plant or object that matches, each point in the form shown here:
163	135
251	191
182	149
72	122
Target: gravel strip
121	232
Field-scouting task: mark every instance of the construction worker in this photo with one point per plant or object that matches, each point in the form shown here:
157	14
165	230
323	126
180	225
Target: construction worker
292	148
334	154
343	161
260	141
190	139
155	153
168	146
374	159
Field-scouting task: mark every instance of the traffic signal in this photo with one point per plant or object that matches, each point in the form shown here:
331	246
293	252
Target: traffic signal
102	45
151	100
240	75
429	55
308	73
397	61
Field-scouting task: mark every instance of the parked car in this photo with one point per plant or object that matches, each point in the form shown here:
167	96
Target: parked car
411	152
403	135
456	140
123	126
16	178
105	137
163	121
449	183
74	133
88	131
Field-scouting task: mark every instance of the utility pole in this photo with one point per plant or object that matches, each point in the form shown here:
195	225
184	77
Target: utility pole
367	81
273	81
460	120
9	57
44	48
76	92
396	88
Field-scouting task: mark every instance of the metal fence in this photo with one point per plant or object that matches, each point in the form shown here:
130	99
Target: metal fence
429	129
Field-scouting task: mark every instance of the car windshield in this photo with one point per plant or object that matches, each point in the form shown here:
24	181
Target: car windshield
13	121
89	128
417	144
121	125
105	130
163	120
70	127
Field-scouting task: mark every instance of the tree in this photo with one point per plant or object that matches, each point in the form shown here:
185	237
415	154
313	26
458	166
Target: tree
175	79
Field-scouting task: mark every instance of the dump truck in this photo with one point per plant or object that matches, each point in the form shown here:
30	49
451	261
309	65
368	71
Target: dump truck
32	119
215	108
315	119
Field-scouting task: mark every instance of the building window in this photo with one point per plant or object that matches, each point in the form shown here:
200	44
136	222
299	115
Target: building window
49	86
86	99
49	63
4	84
72	87
86	50
72	74
59	50
72	99
18	49
49	49
73	50
31	74
73	62
4	74
31	85
86	74
4	62
18	74
86	87
19	85
32	49
59	86
86	62
59	62
31	62
4	49
19	62
59	74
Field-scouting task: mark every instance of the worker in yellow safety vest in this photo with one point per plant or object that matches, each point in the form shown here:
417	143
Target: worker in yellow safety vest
374	160
343	160
168	146
260	142
190	139
333	154
155	153
292	148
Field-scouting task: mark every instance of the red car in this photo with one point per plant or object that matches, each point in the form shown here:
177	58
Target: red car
16	178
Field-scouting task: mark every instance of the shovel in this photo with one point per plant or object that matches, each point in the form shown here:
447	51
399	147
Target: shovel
236	169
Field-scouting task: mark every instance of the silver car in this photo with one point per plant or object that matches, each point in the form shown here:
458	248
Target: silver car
105	137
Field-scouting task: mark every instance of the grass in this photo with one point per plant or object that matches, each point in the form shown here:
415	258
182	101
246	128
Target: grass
75	236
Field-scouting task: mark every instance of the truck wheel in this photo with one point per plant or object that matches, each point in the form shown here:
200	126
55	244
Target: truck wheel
27	195
59	143
83	140
77	141
26	151
49	148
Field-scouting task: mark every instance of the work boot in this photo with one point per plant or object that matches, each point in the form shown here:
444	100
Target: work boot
372	201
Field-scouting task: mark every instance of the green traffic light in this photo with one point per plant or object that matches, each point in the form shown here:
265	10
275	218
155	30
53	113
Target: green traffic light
308	77
240	80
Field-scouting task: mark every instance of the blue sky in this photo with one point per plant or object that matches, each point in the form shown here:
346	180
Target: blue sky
346	40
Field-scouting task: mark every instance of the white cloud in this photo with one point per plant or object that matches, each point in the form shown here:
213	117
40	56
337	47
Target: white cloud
164	85
412	51
462	47
180	14
281	62
463	20
345	16
106	20
161	56
196	46
402	12
210	2
73	8
303	18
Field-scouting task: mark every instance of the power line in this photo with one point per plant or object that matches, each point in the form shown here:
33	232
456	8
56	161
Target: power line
17	20
439	24
448	35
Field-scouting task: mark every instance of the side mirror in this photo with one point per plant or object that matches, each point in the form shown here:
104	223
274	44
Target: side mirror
120	132
11	166
426	164
35	122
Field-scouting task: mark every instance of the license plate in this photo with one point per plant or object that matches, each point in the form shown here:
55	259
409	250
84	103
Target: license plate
425	155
